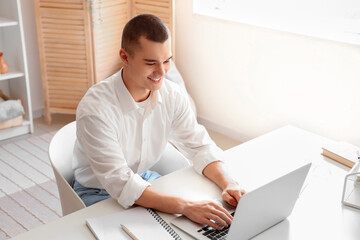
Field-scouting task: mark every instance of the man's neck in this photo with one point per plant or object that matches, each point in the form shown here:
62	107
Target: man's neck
138	94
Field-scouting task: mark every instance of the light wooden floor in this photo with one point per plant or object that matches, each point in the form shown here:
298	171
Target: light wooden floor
224	142
40	127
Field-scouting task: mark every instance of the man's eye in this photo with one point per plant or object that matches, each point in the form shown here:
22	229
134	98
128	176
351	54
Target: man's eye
150	64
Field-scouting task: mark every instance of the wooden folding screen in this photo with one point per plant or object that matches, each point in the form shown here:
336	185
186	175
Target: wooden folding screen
65	53
108	20
79	42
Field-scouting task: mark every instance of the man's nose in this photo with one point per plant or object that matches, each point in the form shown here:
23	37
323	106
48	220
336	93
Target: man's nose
160	70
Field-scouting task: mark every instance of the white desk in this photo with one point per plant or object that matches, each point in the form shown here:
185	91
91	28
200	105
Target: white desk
318	213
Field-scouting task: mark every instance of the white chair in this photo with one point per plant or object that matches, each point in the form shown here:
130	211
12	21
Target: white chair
61	153
170	161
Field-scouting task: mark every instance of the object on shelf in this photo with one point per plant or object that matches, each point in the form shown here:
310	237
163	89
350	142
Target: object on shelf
4	67
351	190
11	112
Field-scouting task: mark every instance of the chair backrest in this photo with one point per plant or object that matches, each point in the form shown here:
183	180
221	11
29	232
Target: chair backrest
61	154
171	160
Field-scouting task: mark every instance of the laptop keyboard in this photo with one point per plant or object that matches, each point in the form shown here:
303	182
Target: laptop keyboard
214	234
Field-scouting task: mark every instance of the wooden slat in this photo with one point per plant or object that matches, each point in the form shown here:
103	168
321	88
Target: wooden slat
110	38
66	85
67	75
77	32
158	3
62	79
73	101
63	1
53	50
108	3
62	4
64	37
65	55
108	53
59	5
58	97
63	110
63	102
61	88
60	69
61	14
62	21
69	103
64	27
64	61
65	65
64	46
65	95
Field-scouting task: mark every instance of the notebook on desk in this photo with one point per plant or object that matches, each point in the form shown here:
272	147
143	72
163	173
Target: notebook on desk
140	221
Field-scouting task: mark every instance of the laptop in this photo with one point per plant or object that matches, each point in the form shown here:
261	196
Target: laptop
256	211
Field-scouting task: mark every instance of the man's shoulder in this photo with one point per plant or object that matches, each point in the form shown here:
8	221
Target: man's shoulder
104	87
99	97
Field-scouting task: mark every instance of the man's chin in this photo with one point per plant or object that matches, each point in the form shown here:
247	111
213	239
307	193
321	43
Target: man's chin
156	85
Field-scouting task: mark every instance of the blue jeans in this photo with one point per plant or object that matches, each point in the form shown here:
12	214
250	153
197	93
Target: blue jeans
93	195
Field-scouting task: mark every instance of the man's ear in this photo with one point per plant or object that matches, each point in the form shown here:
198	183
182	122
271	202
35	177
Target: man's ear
124	56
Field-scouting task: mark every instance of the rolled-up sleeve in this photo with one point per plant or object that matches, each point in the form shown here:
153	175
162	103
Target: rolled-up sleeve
103	151
191	138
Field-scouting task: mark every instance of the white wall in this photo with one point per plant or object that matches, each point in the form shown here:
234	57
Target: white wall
248	80
33	59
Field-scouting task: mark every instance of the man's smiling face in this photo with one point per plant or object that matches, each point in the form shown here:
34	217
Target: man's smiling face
145	69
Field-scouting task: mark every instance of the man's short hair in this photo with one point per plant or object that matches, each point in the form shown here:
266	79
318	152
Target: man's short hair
143	25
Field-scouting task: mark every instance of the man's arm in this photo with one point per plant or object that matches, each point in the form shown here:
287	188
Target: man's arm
201	212
232	192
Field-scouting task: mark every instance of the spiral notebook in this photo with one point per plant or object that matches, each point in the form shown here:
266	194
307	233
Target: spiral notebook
142	222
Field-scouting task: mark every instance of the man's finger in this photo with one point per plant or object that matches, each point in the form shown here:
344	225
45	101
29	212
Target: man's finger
219	220
213	225
221	209
230	199
237	195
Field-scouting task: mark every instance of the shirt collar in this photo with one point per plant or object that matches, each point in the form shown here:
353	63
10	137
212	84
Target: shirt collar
126	101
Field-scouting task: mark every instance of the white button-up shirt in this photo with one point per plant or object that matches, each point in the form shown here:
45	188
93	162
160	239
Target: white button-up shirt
117	139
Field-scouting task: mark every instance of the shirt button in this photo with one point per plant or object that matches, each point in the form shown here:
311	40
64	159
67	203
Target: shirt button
144	140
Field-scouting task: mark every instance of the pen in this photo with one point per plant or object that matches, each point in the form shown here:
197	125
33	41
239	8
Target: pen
128	232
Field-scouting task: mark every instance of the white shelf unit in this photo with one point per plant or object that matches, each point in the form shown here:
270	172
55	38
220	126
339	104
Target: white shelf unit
15	83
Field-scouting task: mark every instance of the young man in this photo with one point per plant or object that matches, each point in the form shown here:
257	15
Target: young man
125	122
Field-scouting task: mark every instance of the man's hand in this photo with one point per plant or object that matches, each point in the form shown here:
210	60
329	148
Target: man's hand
232	194
204	211
231	191
201	212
